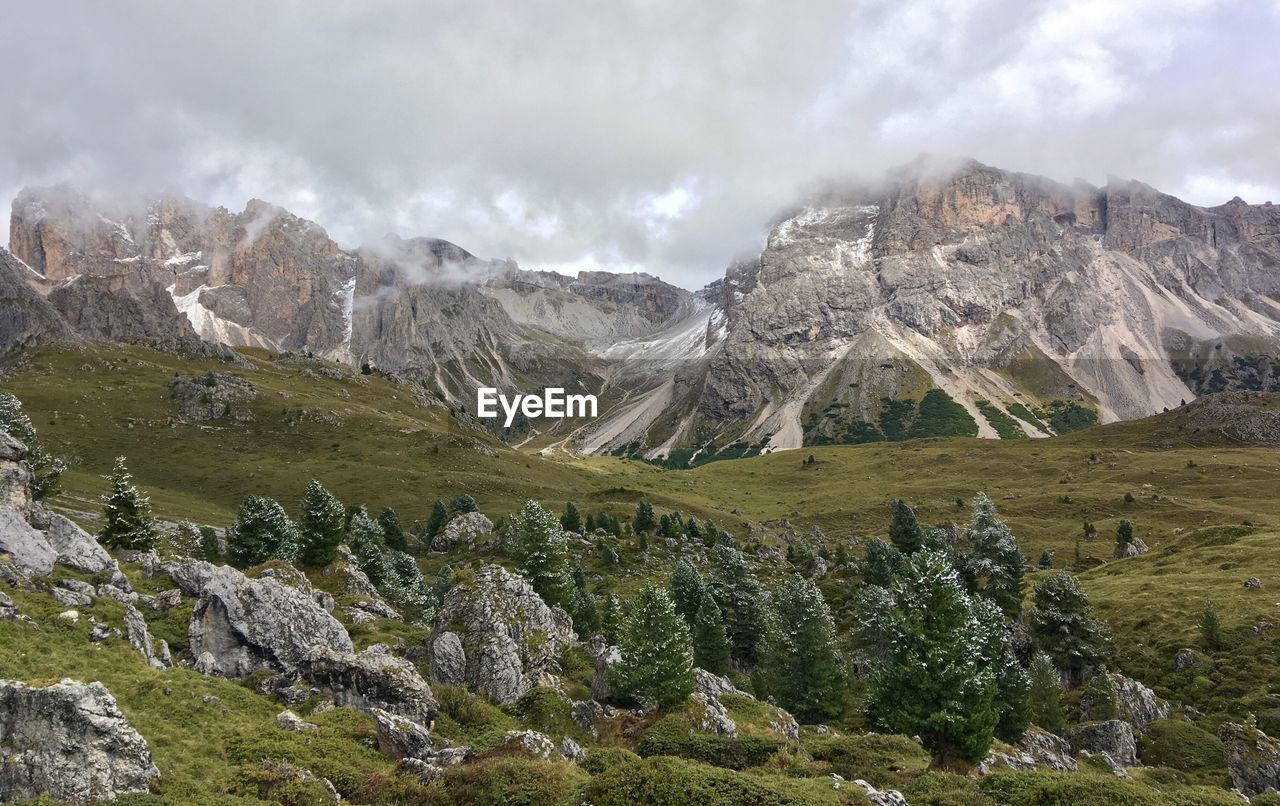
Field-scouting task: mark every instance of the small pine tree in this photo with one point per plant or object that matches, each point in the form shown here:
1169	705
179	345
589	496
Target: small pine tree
642	542
1045	696
46	469
262	531
802	655
544	553
582	606
126	514
1063	627
644	520
881	563
591	523
1124	533
1090	531
322	526
1046	560
842	555
943	649
687	589
710	642
571	520
612	617
210	545
692	530
741	601
657	652
462	504
992	565
1210	627
392	531
904	531
365	539
439	517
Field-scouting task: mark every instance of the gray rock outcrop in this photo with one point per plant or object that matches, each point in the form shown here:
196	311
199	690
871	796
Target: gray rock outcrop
213	396
1139	705
27	548
71	741
76	548
463	530
372	680
1113	737
240	625
505	639
1037	748
1252	757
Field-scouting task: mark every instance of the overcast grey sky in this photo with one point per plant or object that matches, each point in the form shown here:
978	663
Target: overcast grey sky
655	135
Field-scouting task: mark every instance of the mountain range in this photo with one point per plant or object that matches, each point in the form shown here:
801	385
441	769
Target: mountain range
947	298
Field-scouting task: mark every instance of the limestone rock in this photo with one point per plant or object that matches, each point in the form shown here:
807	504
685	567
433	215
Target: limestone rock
1036	749
135	630
1253	758
247	624
26	318
373	679
1134	548
71	741
510	639
73	593
27	548
463	530
1113	737
15	474
288	720
1184	658
1139	705
76	548
401	738
713	685
213	396
888	797
605	660
572	751
531	741
710	715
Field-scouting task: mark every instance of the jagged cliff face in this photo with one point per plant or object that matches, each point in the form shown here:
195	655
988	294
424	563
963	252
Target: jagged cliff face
957	299
1005	291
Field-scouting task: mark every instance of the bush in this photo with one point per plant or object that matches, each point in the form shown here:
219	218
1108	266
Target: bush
671	736
602	759
507	779
1042	788
675	782
545	711
1184	746
878	757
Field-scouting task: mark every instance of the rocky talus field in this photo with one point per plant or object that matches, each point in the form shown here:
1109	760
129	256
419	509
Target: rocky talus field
307	583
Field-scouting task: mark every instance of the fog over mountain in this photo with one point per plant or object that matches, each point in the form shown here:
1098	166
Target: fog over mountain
660	136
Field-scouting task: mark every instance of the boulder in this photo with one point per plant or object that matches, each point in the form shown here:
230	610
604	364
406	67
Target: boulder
605	661
572	751
288	720
532	742
372	680
213	396
15	474
73	593
463	530
401	738
139	637
76	548
713	685
71	741
1253	758
507	639
243	624
1139	705
1184	658
27	548
1134	548
1037	748
1113	737
1253	583
888	797
710	715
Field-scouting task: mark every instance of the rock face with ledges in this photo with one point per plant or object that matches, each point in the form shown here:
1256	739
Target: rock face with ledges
1139	705
371	680
1253	758
76	548
26	318
71	741
240	625
496	635
1113	737
26	547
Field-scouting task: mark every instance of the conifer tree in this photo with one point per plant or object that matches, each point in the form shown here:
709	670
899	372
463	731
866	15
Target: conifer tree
904	531
993	565
1012	688
1089	531
126	513
262	531
1045	696
544	554
407	589
1124	533
1100	699
710	642
462	504
657	653
802	654
612	618
881	563
1063	627
938	675
210	545
46	469
741	600
365	539
392	531
439	517
692	530
582	606
687	589
1210	627
644	520
322	526
1046	560
571	520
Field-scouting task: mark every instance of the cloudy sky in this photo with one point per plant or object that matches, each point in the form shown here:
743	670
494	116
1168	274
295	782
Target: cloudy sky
616	134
